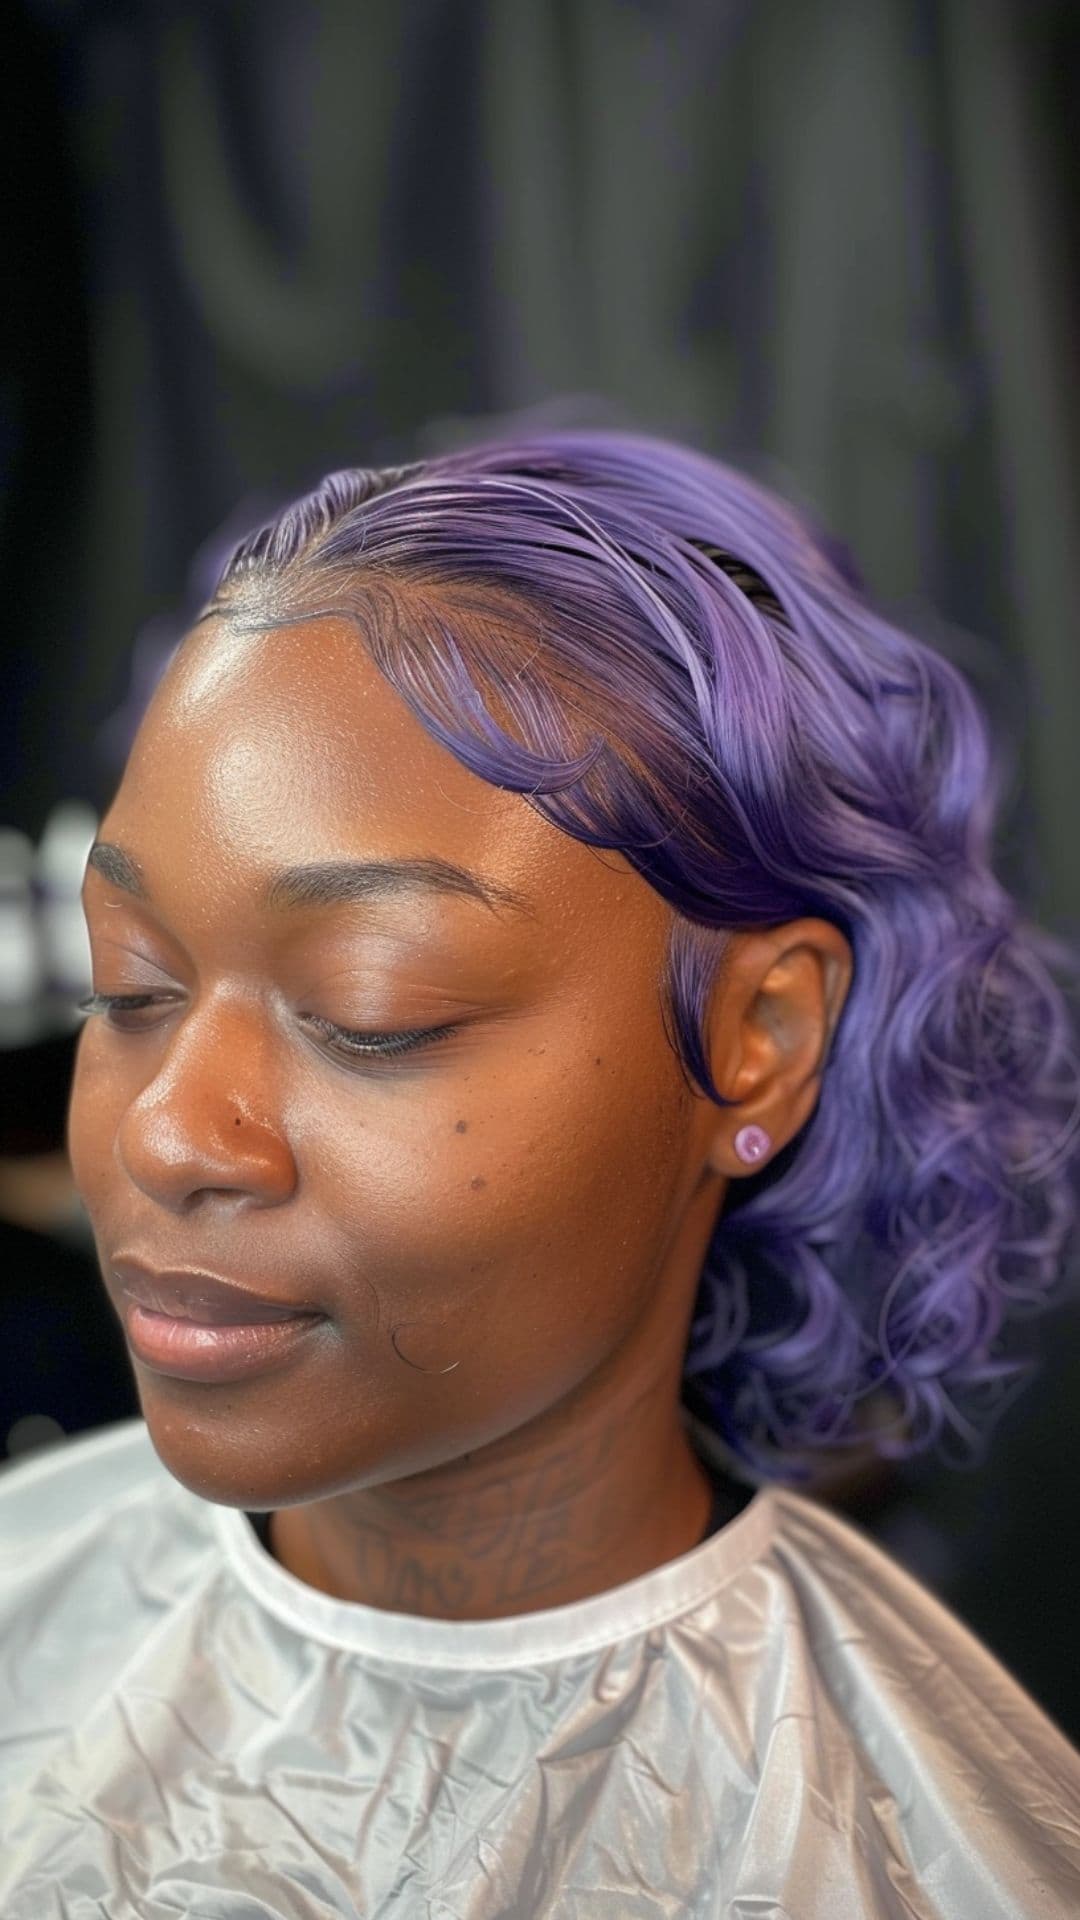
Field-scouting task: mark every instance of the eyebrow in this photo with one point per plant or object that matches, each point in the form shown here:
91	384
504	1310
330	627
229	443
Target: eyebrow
326	883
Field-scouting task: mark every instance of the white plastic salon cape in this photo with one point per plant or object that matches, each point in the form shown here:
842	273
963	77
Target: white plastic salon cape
778	1725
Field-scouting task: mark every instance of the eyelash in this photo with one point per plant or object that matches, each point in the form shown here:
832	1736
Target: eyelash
345	1041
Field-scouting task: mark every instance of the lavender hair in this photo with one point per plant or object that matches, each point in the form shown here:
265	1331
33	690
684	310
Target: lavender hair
695	678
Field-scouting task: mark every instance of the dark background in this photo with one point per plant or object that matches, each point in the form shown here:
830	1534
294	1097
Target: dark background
836	241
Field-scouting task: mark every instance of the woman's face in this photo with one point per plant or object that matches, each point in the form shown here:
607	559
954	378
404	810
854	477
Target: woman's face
485	1222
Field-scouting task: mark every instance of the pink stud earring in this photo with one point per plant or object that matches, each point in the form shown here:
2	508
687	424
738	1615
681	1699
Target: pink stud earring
752	1144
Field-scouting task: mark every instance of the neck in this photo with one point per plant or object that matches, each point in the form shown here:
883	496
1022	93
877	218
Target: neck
522	1525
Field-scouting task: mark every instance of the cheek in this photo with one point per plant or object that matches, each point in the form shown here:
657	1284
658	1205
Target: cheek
94	1110
499	1201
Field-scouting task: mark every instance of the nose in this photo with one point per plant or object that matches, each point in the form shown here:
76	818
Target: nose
207	1128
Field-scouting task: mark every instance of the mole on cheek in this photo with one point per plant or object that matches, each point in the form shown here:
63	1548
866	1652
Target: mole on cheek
461	1126
477	1182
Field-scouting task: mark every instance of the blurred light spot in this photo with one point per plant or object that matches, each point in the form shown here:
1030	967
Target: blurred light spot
33	1430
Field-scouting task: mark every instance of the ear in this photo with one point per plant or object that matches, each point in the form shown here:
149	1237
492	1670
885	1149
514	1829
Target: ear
776	1002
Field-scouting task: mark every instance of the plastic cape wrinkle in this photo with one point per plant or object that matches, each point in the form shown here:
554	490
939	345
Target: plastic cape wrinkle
780	1723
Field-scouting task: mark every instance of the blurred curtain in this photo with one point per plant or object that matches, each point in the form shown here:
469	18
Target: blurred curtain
828	237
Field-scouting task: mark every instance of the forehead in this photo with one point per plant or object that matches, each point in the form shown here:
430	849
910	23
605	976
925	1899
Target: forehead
287	745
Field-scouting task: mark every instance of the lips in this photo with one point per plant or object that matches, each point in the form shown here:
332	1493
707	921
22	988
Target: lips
206	1298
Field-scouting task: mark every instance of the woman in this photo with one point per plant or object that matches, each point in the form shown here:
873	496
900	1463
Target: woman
555	1032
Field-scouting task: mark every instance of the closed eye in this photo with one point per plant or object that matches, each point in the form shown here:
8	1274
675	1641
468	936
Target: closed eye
347	1042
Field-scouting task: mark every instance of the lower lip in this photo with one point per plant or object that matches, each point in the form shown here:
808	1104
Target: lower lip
191	1350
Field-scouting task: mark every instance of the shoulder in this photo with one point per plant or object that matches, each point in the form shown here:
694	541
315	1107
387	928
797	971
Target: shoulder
98	1544
88	1518
95	1512
904	1670
61	1484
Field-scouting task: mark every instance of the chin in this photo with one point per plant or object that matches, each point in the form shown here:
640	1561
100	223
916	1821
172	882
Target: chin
219	1450
223	1447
